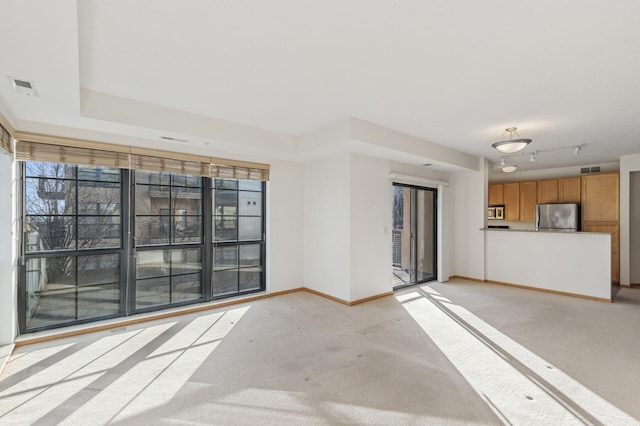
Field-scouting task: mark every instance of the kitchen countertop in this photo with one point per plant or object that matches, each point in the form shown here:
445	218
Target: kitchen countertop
542	232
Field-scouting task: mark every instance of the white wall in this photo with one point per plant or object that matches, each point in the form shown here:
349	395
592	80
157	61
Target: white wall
469	205
8	291
347	211
370	206
628	164
326	225
285	227
634	226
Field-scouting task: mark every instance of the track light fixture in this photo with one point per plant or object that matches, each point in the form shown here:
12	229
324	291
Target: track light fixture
533	156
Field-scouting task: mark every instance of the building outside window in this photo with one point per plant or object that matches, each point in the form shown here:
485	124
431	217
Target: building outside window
192	239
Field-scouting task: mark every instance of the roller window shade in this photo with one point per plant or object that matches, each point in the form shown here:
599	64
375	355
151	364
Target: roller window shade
170	165
36	151
238	172
5	139
33	147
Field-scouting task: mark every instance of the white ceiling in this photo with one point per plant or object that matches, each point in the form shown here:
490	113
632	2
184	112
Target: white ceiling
455	72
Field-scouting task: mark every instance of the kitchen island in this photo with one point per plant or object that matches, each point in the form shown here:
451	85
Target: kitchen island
571	263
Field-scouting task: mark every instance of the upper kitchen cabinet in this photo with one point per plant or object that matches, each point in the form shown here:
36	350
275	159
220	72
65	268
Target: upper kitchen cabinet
601	197
528	199
512	201
569	190
547	191
496	194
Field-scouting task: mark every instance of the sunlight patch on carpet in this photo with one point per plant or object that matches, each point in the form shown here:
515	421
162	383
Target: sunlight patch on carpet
519	386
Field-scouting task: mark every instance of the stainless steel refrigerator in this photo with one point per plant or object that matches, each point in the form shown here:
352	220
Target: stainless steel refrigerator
558	217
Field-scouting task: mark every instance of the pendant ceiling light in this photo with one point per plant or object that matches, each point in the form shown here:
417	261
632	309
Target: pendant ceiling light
507	168
514	144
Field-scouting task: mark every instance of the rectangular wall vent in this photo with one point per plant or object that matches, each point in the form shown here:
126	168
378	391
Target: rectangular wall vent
595	169
24	87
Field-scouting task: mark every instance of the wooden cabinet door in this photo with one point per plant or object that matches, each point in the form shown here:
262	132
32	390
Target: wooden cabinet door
496	194
614	230
601	197
512	201
569	190
528	197
547	191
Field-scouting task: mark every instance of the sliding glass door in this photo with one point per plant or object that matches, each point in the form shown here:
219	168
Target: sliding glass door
414	235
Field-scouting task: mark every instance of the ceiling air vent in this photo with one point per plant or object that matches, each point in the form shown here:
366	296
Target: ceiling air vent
169	138
24	87
585	170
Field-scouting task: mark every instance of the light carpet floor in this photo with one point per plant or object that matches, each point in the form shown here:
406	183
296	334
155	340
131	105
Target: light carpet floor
454	353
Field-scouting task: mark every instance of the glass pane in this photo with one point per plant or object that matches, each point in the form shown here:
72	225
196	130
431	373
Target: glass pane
225	228
225	183
152	178
99	173
249	228
425	235
187	180
152	230
250	279
185	261
187	202
401	235
250	255
250	185
249	203
98	232
153	292
153	263
99	209
98	285
52	170
186	287
50	233
104	199
50	291
49	196
187	229
225	282
225	202
152	201
225	257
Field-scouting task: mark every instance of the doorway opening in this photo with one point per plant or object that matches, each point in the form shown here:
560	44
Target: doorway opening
414	235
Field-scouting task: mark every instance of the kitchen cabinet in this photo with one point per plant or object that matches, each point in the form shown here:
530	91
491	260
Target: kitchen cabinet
496	194
614	229
601	197
547	191
512	201
528	200
569	190
601	211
